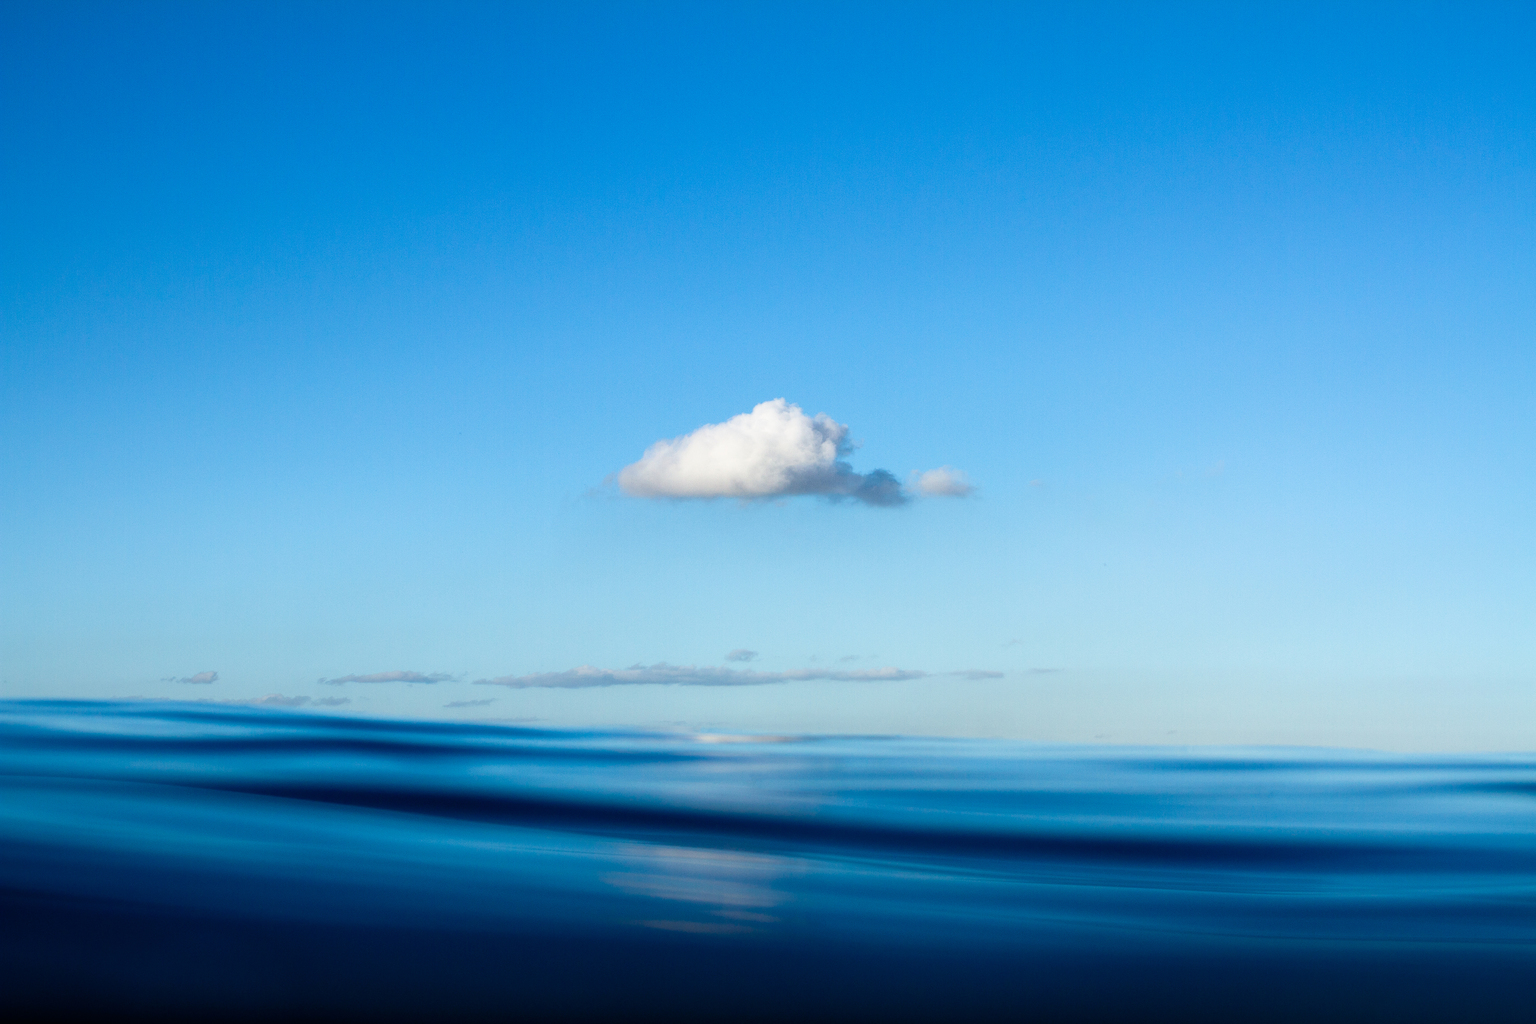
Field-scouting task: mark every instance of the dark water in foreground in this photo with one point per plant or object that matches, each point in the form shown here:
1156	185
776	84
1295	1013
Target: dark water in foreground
164	860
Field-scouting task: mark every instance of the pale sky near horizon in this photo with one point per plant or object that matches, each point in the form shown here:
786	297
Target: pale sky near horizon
410	341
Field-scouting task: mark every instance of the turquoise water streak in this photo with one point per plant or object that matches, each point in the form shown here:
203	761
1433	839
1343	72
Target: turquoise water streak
171	859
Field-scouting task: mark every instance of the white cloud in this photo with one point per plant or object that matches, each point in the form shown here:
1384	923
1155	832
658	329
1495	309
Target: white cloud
774	451
944	482
392	677
741	654
585	676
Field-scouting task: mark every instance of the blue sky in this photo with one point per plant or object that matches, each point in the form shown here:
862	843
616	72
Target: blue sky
327	328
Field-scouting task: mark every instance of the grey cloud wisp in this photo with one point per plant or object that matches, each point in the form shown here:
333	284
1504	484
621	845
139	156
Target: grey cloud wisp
201	678
392	677
585	676
774	451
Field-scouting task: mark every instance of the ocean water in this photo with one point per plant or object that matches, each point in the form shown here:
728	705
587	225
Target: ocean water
200	861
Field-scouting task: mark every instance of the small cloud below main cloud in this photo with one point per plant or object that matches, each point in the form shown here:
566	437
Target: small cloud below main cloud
200	678
663	674
741	654
470	703
774	451
393	677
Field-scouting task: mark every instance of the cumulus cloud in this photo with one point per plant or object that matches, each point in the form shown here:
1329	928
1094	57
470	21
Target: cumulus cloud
585	676
741	654
774	451
944	482
392	677
470	703
200	678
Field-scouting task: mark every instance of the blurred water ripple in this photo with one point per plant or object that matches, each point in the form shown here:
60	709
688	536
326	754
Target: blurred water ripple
184	860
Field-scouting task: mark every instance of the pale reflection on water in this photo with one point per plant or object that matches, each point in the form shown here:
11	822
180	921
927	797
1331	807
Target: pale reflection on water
723	883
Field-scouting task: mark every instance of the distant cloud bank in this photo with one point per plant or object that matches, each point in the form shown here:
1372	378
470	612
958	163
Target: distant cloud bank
774	451
392	677
584	676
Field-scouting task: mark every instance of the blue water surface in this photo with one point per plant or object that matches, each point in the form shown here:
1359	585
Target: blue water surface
165	860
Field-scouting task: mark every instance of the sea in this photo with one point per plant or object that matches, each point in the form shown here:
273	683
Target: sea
174	861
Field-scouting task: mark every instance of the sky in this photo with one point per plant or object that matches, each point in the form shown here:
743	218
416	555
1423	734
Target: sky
1071	373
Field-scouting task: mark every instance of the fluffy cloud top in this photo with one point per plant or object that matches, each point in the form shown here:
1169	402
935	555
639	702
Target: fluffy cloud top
774	451
944	482
393	677
585	676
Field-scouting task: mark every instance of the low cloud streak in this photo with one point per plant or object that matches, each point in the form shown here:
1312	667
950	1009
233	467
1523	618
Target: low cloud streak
586	676
392	677
662	674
